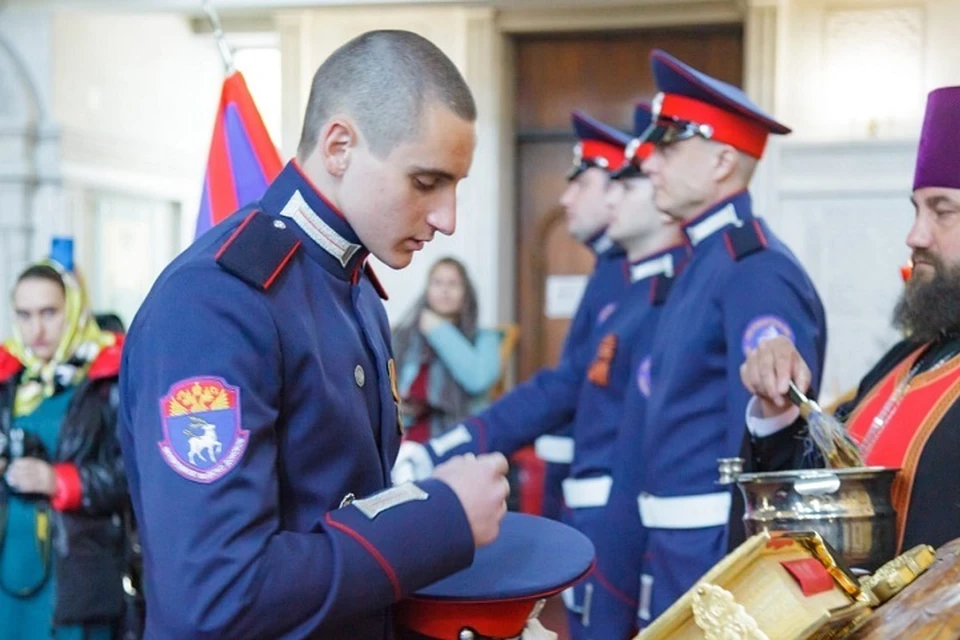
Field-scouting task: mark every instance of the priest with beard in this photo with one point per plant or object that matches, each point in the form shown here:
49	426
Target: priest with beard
906	413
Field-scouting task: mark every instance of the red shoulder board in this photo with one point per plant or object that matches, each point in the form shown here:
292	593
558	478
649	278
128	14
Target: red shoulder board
9	365
107	364
375	281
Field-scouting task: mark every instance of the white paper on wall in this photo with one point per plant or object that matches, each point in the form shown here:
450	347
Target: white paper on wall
563	295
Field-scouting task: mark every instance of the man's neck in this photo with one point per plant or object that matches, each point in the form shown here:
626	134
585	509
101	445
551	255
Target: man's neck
721	193
642	246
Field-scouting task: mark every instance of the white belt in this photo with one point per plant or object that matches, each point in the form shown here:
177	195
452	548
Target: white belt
579	493
557	449
685	512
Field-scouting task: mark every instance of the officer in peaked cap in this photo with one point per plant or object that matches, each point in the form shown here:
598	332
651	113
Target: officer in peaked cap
543	407
741	286
599	147
501	594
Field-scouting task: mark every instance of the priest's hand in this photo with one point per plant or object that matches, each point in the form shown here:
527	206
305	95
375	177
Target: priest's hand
768	370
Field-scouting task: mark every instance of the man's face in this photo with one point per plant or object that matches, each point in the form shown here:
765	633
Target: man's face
633	214
681	173
396	204
929	306
935	235
39	305
584	203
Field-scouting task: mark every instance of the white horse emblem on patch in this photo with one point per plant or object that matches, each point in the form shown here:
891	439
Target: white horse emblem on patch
206	442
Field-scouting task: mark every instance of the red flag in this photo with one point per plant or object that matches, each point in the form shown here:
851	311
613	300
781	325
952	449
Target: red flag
242	160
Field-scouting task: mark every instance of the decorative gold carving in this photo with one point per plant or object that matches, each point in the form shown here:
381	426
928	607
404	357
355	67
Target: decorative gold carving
720	616
891	578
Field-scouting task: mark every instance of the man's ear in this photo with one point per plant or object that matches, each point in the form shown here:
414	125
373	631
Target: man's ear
336	144
726	163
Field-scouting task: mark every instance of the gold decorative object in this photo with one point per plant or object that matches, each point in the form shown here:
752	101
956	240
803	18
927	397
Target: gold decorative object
891	578
751	594
718	614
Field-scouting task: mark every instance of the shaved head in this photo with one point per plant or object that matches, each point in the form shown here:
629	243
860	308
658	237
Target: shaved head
383	80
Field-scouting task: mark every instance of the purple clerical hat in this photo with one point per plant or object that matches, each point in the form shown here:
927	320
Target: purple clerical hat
938	158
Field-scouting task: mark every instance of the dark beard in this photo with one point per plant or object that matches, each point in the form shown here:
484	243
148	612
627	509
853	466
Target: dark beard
929	310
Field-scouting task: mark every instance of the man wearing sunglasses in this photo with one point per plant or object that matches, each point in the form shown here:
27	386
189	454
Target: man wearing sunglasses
741	286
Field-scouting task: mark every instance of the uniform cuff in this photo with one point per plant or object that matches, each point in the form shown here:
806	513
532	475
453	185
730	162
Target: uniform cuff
415	533
761	427
466	437
68	494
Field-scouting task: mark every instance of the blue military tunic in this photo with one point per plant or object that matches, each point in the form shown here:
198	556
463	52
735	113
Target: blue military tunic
619	351
258	401
600	296
741	286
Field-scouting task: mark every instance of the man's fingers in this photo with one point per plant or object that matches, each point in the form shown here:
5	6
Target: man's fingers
767	385
783	361
801	374
497	461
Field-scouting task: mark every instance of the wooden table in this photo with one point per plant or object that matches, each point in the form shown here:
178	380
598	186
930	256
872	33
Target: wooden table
928	609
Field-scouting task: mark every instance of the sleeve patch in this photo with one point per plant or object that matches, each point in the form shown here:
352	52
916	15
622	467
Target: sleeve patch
202	438
763	328
393	497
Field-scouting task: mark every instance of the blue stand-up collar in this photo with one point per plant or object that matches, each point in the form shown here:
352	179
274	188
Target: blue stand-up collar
326	234
734	211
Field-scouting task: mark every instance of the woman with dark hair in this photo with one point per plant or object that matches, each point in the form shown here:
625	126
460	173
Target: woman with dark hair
447	365
63	492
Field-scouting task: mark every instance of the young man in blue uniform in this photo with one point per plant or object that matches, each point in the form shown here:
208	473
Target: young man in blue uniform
741	286
259	408
655	254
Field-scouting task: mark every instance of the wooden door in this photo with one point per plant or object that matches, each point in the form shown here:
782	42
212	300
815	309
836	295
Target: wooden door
604	74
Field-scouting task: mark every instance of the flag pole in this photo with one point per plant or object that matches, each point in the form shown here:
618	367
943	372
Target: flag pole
226	53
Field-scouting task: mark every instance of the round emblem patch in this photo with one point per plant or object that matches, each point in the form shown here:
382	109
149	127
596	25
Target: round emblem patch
643	377
605	312
201	428
763	328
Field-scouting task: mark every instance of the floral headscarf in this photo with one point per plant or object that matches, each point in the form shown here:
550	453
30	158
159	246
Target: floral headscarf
80	344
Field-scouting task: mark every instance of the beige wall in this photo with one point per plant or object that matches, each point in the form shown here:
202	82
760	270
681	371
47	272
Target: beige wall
857	69
135	96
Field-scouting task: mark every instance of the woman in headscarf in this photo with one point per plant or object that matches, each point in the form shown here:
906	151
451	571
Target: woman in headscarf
63	492
447	365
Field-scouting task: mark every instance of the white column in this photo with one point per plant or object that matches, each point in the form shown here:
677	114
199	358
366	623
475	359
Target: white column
29	175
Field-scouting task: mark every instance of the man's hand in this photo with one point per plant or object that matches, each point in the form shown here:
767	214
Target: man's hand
768	370
32	475
480	483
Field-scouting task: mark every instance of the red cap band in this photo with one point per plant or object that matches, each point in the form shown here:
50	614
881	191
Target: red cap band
637	152
743	133
445	619
592	150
